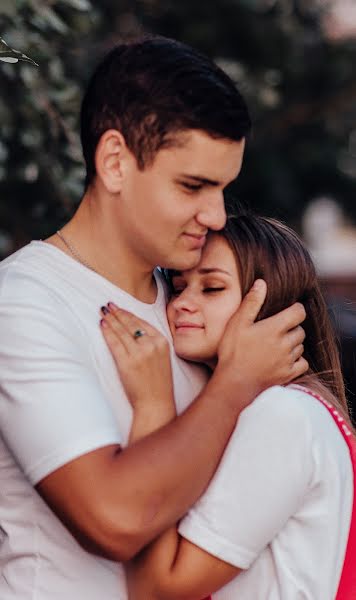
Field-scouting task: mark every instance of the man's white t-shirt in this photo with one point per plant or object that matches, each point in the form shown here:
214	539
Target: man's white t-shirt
280	502
60	397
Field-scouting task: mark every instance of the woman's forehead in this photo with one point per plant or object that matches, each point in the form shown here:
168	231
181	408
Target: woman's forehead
216	256
216	251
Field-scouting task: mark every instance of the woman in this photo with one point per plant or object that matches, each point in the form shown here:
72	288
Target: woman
276	520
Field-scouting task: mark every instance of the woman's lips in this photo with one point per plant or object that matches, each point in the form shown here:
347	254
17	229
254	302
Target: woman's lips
184	326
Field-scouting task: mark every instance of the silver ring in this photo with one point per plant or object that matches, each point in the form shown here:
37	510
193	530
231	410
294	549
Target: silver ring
138	333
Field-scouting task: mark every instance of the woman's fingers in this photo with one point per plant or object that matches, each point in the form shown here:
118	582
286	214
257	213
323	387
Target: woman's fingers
131	321
117	329
126	327
114	341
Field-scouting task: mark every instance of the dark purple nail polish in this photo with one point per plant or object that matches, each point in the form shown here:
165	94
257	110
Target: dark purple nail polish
104	310
112	306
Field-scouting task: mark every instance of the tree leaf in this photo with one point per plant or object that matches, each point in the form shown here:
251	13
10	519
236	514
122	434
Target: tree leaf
10	55
78	4
9	59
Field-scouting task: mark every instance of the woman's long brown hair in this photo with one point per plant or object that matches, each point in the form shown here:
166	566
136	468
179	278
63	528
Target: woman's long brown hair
268	249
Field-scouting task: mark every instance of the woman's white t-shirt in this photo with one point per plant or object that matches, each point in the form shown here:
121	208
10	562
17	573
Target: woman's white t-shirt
280	502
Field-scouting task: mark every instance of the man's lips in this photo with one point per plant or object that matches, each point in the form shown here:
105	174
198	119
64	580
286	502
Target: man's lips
198	240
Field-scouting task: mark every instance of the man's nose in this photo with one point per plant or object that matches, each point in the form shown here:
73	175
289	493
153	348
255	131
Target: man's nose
212	214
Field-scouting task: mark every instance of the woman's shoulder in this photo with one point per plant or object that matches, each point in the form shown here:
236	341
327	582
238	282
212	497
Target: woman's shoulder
284	400
296	410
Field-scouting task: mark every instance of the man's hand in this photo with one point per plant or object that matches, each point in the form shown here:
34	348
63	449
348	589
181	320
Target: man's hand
263	353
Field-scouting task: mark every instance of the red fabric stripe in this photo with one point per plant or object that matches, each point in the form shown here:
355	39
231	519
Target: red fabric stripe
347	583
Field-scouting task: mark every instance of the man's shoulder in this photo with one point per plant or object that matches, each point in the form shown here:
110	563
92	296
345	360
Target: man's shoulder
32	254
23	272
16	257
33	278
34	303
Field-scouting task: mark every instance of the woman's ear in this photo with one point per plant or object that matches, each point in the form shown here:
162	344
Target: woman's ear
110	155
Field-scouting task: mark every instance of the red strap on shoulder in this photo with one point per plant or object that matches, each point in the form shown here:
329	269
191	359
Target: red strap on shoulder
347	583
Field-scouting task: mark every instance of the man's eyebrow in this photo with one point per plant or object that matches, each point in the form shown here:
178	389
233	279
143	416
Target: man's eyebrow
201	179
207	270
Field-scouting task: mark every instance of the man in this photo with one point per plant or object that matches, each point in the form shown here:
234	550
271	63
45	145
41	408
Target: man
163	132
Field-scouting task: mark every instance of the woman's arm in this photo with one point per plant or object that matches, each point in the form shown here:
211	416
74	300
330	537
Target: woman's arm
172	568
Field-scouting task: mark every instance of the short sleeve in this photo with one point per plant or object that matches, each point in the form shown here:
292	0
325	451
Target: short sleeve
52	407
260	483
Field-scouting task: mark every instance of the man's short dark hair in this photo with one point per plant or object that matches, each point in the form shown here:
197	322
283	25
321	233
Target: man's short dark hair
153	88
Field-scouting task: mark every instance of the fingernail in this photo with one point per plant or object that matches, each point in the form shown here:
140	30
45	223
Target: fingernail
258	284
104	310
103	323
112	306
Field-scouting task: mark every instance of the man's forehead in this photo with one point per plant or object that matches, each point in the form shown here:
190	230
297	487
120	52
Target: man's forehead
186	137
194	148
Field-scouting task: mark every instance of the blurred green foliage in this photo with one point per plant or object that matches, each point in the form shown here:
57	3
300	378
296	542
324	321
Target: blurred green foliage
299	84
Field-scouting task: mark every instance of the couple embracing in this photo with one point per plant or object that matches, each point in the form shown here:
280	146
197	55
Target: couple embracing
176	433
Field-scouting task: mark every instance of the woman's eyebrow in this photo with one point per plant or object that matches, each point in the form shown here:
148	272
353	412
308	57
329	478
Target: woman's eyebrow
207	270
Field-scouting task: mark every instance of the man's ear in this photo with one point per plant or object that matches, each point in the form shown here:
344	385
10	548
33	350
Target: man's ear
110	155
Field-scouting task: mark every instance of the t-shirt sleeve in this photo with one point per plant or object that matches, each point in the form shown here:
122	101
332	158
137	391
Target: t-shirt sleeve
260	483
52	407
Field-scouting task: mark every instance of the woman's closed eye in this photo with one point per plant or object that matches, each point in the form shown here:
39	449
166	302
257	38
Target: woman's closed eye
208	290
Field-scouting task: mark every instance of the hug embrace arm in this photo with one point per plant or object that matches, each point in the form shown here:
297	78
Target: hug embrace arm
142	490
116	501
171	567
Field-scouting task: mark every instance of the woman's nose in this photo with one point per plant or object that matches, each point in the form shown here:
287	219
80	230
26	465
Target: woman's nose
185	301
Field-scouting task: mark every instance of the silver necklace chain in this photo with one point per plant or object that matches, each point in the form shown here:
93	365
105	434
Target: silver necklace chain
74	252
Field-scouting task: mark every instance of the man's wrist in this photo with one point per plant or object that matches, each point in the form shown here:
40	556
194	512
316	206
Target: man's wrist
232	390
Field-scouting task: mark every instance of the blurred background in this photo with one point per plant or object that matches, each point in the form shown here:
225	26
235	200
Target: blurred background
294	60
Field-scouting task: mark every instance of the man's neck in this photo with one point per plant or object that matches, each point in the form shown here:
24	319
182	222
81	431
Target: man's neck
95	239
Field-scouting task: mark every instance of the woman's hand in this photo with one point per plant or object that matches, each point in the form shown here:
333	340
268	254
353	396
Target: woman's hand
144	366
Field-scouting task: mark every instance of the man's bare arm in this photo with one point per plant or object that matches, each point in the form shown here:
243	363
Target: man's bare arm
119	500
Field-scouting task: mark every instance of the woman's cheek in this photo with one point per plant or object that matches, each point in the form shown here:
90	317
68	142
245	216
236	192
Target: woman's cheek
218	323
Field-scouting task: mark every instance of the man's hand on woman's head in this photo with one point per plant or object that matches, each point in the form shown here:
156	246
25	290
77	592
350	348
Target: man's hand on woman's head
263	353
